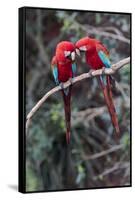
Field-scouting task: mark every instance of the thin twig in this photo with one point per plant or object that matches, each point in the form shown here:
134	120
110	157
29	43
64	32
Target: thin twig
96	31
107	34
111	28
103	153
117	166
107	71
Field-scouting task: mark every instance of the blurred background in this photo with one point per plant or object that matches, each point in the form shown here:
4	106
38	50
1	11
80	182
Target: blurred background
94	157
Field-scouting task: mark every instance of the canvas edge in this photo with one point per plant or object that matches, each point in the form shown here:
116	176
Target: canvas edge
21	92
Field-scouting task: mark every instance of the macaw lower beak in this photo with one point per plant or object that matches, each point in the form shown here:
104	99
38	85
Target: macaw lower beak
78	52
73	56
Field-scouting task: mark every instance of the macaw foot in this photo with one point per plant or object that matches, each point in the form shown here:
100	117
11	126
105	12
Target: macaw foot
66	90
61	85
90	72
71	81
103	70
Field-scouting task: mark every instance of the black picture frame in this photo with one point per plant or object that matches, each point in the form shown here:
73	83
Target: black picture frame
22	100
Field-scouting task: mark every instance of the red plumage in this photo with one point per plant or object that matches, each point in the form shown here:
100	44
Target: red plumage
64	69
67	108
110	105
92	47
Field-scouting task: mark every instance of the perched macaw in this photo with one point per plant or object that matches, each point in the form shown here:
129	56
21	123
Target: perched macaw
97	57
64	69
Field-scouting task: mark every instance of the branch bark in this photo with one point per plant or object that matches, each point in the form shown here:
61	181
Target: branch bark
117	166
103	153
107	71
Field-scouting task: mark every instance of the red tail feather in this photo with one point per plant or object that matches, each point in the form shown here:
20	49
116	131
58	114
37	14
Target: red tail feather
110	105
68	137
114	115
67	108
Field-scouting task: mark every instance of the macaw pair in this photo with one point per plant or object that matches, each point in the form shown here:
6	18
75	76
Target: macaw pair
64	69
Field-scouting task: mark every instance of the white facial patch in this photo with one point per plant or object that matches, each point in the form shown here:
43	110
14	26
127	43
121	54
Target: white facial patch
73	56
67	53
83	48
77	52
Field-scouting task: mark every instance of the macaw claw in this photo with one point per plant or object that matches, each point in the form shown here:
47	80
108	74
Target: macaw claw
61	85
103	70
90	72
71	81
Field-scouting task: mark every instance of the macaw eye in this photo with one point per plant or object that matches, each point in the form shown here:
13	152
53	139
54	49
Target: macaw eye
83	48
67	53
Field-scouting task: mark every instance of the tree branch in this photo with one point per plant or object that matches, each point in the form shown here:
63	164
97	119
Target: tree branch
98	31
103	153
117	166
107	34
107	71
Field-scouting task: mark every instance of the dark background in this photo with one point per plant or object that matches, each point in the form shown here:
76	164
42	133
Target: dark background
94	158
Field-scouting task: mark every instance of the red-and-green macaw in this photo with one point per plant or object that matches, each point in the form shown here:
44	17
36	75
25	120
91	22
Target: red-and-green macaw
97	57
64	69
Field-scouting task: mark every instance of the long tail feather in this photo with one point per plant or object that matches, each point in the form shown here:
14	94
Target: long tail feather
67	108
114	114
106	88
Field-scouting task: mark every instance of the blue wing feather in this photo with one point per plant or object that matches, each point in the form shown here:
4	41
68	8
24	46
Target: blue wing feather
74	69
104	58
55	74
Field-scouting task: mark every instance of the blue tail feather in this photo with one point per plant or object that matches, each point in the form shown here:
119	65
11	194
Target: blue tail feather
103	79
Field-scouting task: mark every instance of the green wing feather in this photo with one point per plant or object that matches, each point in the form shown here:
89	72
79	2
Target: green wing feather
55	74
74	69
55	69
104	58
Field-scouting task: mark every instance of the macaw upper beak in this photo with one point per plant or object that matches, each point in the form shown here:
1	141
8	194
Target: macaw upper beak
77	52
73	56
83	48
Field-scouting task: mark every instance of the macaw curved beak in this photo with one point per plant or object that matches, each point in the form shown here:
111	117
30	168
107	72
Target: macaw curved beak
83	48
73	56
78	52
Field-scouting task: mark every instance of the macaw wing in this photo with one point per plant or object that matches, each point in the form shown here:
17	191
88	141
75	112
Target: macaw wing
55	70
106	61
104	58
55	74
74	69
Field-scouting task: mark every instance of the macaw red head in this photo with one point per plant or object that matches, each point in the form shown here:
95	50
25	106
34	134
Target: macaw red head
83	45
65	50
